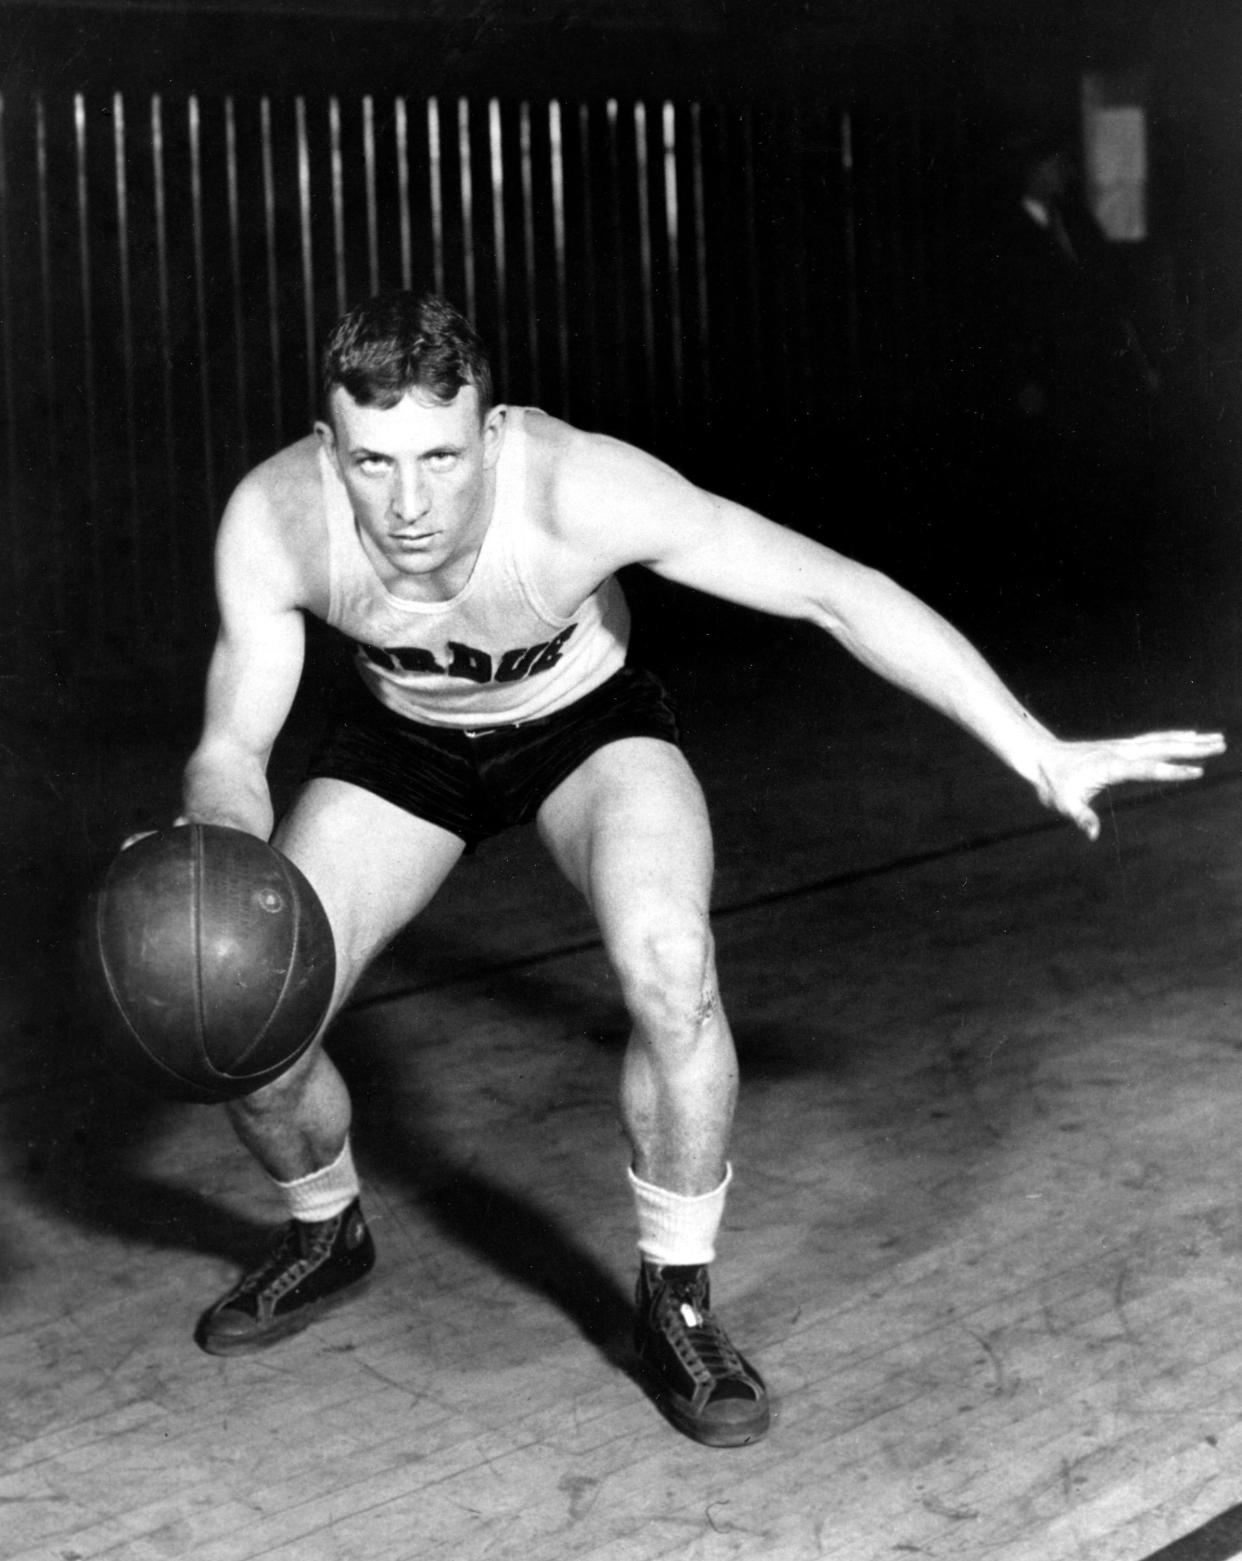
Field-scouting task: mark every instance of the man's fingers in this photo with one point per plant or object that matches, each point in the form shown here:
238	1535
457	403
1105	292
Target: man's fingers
1153	770
1178	772
1175	745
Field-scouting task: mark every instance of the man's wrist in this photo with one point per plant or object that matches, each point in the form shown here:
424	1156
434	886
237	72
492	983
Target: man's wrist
1028	751
250	821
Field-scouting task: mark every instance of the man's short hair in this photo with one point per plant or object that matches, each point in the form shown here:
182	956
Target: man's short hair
402	341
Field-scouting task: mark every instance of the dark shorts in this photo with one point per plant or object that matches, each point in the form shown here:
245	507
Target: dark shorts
476	784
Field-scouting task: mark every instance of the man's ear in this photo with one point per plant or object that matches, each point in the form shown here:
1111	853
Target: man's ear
493	434
327	443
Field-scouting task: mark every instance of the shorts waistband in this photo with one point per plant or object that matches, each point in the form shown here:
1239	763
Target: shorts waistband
490	731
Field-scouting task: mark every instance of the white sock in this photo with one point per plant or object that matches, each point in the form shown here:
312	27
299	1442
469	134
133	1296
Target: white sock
323	1194
676	1231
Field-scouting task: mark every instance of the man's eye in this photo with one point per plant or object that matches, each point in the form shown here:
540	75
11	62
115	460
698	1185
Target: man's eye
442	460
372	463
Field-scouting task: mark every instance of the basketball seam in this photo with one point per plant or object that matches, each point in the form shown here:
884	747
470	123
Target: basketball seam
291	965
196	932
119	1008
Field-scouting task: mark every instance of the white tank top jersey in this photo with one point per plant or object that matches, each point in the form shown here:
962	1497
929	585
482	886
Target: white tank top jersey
492	654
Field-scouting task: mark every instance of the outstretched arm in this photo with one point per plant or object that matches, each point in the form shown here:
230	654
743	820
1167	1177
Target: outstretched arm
913	647
700	540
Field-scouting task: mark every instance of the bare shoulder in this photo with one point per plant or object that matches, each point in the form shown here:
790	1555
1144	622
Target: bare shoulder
278	494
273	537
575	463
602	492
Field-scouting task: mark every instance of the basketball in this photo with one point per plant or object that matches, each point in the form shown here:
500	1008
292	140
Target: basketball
207	963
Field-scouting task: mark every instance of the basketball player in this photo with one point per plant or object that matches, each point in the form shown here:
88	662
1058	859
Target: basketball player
470	551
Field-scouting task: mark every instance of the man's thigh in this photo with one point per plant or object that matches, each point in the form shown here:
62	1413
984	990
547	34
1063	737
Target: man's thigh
630	827
373	865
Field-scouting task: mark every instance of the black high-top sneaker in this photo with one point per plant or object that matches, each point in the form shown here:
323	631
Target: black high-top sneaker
707	1389
312	1267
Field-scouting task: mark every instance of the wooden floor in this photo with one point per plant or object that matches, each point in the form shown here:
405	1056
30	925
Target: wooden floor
985	1239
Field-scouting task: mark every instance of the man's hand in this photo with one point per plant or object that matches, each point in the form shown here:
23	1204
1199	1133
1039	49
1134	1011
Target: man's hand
1074	773
144	834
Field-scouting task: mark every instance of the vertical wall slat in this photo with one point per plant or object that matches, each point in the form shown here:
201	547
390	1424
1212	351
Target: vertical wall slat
405	230
589	334
200	307
435	177
160	194
368	159
465	176
236	283
125	289
556	152
526	165
276	381
672	229
643	209
305	211
10	522
128	519
621	389
89	389
338	206
56	495
499	239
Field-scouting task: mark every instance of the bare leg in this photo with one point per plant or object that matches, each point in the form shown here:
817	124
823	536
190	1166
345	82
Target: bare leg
375	867
630	830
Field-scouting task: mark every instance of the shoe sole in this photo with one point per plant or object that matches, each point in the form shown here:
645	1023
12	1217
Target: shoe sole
280	1328
741	1435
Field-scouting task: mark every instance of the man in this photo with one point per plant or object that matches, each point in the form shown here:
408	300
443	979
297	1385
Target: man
1076	355
470	550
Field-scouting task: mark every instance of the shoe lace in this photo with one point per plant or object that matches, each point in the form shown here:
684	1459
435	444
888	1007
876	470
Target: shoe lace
701	1343
291	1258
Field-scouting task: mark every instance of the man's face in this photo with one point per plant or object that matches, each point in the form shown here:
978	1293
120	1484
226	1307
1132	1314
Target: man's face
416	474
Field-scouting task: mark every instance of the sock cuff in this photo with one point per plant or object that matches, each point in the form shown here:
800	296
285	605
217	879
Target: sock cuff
324	1193
676	1230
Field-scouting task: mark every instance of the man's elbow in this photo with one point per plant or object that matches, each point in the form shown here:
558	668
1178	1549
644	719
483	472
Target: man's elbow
855	601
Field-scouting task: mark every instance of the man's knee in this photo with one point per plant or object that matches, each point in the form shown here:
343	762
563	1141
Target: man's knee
668	975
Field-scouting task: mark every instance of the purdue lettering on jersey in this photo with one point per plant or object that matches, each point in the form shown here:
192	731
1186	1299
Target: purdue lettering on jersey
465	661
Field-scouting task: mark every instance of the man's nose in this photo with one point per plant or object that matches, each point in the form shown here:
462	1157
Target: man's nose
409	494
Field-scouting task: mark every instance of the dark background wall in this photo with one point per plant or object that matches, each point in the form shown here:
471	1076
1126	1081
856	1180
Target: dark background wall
808	331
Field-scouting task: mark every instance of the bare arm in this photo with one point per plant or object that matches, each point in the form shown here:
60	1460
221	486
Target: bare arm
254	672
754	562
644	513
